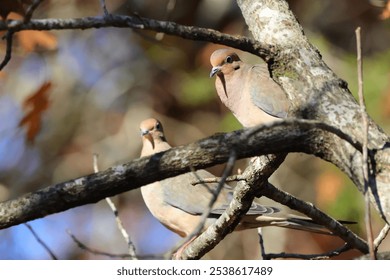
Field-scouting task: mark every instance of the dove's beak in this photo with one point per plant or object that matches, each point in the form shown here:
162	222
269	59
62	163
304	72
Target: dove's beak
146	134
214	71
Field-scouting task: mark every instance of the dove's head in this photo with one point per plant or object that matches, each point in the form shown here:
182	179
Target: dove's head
224	61
152	132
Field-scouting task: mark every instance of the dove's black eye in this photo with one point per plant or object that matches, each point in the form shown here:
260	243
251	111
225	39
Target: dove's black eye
158	126
229	59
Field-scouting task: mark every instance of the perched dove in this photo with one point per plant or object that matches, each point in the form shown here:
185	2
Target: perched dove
178	204
247	90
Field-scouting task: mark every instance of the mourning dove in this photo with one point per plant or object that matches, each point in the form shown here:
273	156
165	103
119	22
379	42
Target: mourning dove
178	204
247	90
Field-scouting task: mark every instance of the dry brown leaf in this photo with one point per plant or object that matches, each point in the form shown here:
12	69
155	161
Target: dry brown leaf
31	40
385	104
38	103
328	186
386	11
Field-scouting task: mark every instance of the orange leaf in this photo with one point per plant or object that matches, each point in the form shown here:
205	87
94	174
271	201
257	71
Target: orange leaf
328	186
386	12
15	16
38	103
31	39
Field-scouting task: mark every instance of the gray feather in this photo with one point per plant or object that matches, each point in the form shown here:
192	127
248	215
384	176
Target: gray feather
266	94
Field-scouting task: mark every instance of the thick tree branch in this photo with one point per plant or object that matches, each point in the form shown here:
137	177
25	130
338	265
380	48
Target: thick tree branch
256	174
280	137
228	169
317	93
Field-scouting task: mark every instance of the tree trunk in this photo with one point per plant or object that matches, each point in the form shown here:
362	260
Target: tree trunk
317	93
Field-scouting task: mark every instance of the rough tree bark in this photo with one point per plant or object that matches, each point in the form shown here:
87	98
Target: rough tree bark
317	93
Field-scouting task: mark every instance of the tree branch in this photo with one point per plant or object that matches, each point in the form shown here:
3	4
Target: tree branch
121	228
322	256
40	241
141	23
31	9
280	137
314	213
257	174
8	51
228	169
365	168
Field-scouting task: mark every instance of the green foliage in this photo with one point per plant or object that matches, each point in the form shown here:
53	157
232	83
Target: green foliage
349	205
195	88
229	123
376	71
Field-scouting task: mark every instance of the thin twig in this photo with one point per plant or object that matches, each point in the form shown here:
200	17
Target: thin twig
316	215
232	178
104	8
367	216
31	9
168	11
228	169
94	251
8	52
322	256
130	245
381	236
137	22
40	241
261	242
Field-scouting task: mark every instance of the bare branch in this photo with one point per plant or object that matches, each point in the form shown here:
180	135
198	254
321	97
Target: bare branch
367	217
382	235
94	251
137	22
130	245
228	169
232	178
40	241
314	213
257	173
31	9
322	256
104	8
261	242
280	137
169	9
8	52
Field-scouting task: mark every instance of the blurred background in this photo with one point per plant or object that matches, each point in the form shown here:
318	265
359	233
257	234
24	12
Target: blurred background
66	95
